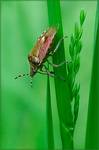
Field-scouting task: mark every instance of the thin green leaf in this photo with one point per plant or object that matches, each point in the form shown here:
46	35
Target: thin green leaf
78	47
70	67
76	30
76	107
71	50
50	133
82	17
80	33
76	64
63	96
92	133
75	89
72	40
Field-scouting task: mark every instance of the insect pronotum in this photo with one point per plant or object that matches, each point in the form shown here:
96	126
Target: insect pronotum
40	53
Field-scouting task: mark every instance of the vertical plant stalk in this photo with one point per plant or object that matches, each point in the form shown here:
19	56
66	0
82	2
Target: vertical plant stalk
75	48
63	96
92	132
50	134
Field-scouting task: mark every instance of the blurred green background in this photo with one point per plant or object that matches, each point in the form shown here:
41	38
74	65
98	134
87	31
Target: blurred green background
23	107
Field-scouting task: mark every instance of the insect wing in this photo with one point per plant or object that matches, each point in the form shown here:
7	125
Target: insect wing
47	39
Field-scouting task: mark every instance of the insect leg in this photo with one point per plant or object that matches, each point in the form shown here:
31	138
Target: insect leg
46	73
57	46
42	71
51	73
57	65
21	75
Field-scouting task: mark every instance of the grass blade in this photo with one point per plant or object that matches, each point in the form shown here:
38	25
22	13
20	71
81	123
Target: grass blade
75	48
50	134
92	134
62	89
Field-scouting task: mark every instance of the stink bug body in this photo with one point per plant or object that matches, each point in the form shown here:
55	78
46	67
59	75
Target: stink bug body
40	53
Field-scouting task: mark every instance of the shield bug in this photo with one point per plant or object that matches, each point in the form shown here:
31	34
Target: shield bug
40	53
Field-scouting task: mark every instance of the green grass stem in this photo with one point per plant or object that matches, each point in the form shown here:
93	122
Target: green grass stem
50	134
92	134
62	89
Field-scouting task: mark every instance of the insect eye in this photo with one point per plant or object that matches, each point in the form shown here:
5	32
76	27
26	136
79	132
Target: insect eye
35	60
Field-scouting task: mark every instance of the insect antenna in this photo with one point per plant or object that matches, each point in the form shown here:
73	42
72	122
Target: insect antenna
21	75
